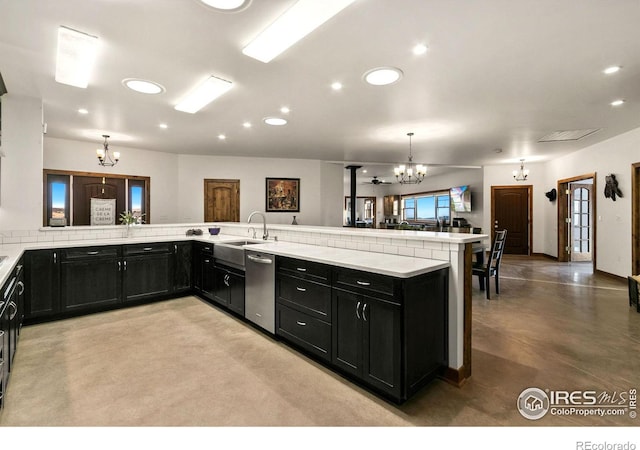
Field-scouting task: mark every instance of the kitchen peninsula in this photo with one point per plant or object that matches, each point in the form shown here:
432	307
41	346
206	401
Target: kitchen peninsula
399	254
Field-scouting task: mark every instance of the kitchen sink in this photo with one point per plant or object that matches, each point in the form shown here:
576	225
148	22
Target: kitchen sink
232	253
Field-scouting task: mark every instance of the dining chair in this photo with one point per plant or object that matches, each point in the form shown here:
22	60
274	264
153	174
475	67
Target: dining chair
492	266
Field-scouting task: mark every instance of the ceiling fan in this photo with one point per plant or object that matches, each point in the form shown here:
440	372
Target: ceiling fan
376	181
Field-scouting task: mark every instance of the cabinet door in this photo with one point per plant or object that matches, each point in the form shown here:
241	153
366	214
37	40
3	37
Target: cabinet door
347	331
91	283
236	293
196	260
42	278
4	349
381	344
221	286
146	276
208	276
182	266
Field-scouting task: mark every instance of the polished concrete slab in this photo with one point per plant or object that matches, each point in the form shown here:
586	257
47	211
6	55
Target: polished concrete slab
185	363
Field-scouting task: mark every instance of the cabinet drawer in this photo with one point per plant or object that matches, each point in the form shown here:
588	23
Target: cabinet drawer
205	249
304	269
141	249
303	330
365	282
90	252
307	296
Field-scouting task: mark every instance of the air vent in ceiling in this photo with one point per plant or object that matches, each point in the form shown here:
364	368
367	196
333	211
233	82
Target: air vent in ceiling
570	135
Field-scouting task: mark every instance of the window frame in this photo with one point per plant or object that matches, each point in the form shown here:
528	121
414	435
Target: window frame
432	194
135	180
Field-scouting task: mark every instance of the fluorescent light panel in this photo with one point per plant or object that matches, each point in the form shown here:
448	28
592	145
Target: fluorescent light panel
294	24
76	57
203	94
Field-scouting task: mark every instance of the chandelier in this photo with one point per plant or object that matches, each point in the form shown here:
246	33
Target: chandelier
522	174
104	158
411	173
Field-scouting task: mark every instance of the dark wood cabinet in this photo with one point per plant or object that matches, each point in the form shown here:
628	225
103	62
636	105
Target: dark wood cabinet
11	310
391	205
203	273
90	278
42	281
366	339
182	267
146	271
229	288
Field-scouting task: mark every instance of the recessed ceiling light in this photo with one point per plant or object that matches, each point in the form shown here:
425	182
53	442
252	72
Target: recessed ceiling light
276	121
227	5
75	58
364	171
336	86
419	49
222	137
382	76
285	110
164	126
247	124
612	69
203	94
143	86
83	111
294	24
617	102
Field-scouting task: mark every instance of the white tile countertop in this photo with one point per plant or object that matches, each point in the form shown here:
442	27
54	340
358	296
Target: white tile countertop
393	265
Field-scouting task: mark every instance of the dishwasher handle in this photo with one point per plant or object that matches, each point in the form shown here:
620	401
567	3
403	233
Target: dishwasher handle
260	259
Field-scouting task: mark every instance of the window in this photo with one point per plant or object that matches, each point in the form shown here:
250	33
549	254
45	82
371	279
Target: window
426	207
58	207
67	196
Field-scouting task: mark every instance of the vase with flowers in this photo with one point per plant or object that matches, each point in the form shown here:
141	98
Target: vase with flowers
128	218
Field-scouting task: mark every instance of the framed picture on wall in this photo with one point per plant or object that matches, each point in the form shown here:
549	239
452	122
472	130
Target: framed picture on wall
283	195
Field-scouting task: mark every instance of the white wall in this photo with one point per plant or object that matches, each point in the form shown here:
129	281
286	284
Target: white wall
314	198
614	227
64	154
21	178
502	175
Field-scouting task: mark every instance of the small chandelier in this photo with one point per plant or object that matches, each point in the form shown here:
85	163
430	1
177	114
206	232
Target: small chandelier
522	174
104	158
410	174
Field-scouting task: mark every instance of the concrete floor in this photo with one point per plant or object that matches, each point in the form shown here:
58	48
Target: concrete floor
185	363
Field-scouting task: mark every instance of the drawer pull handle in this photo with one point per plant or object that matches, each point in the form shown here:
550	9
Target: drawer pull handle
92	253
358	310
259	315
301	269
207	261
301	289
302	324
206	248
363	283
147	249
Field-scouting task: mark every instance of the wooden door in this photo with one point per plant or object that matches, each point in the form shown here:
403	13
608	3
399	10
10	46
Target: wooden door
222	200
581	229
511	211
86	188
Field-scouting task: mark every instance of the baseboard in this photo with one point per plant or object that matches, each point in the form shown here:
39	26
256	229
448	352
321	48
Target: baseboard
610	275
454	376
544	255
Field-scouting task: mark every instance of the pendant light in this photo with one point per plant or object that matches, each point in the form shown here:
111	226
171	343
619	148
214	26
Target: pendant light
522	174
104	158
410	173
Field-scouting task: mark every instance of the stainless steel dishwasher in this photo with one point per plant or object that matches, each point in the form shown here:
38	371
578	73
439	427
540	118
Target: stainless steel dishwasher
260	289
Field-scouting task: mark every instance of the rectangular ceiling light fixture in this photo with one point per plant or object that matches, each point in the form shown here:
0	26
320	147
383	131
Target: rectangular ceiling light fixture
294	24
76	57
203	94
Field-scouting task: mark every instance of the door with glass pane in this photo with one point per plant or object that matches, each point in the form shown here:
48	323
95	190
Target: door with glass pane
581	214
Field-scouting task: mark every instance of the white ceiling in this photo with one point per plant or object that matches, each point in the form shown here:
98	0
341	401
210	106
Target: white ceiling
498	74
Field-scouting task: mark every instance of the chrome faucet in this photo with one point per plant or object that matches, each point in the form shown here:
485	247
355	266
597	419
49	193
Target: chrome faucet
265	232
252	232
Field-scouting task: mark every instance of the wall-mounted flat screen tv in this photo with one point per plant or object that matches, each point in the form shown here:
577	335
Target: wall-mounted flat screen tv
460	199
